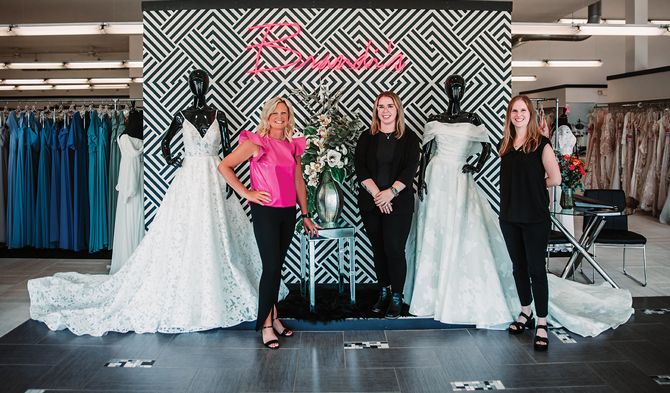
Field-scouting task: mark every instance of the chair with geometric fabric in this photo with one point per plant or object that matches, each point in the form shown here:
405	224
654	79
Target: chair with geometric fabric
615	233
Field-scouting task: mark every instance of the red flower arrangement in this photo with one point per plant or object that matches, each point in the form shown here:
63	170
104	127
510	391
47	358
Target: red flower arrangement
572	171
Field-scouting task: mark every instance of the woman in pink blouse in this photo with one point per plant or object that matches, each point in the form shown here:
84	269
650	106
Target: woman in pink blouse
276	183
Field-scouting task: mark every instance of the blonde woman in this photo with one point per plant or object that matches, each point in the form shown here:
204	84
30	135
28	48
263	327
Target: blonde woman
386	160
274	154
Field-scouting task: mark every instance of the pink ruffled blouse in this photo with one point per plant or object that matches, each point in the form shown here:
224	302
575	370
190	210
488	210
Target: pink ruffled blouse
273	169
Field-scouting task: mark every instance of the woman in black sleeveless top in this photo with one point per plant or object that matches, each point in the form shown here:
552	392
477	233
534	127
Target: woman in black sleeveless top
528	167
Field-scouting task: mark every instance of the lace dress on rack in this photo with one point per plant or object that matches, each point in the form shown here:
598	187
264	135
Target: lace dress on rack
664	162
606	150
649	188
198	267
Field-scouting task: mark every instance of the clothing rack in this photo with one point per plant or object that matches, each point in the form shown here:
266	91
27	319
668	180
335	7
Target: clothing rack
64	101
554	141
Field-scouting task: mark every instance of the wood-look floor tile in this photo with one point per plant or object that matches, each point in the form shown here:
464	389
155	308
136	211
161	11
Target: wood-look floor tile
346	380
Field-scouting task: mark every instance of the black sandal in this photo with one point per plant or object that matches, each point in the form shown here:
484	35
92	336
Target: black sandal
270	343
517	327
541	343
284	333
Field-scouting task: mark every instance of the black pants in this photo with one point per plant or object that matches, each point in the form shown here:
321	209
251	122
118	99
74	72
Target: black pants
527	247
388	235
273	229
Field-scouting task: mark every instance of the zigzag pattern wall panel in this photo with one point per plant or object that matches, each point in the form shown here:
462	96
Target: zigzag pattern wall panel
434	43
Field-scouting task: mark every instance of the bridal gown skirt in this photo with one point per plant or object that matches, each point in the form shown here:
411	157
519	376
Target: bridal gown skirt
197	268
457	279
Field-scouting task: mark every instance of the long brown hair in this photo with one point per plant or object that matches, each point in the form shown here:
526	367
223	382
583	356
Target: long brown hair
533	134
400	114
269	107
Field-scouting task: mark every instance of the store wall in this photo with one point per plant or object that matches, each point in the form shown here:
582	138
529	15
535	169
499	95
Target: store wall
474	43
654	86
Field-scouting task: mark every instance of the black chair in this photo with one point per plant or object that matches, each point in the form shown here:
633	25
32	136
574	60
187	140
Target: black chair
615	233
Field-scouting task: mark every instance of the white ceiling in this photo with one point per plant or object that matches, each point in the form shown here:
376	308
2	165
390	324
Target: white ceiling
608	49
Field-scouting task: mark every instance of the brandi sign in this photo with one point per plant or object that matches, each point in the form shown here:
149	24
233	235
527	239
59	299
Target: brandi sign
368	58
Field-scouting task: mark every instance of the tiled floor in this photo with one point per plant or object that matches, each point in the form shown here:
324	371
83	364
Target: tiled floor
623	360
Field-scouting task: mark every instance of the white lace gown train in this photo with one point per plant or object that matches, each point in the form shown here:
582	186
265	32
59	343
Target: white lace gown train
197	268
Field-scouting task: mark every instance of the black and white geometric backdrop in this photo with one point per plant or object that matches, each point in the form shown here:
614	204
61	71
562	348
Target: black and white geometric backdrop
474	43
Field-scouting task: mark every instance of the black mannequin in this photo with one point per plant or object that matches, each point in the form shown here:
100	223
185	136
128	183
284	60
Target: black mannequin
200	116
455	88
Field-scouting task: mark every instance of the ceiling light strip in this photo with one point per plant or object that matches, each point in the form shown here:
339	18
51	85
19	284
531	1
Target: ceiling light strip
60	29
590	29
74	65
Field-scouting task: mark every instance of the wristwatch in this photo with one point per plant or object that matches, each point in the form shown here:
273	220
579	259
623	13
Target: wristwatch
394	192
305	215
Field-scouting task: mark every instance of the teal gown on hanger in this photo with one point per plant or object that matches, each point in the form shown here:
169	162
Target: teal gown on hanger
98	145
42	226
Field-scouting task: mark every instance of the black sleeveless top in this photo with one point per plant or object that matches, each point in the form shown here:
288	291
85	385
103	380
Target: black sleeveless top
523	192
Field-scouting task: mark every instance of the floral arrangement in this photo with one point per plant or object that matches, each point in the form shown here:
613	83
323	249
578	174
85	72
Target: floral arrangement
331	138
572	171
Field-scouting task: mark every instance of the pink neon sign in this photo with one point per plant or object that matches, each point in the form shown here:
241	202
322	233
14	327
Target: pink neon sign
365	60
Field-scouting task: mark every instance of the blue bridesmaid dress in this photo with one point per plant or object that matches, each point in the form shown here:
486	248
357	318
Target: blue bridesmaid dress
30	180
42	196
98	145
11	231
65	209
54	186
77	142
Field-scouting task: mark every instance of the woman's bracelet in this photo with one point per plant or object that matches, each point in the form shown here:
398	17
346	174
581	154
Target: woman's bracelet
305	215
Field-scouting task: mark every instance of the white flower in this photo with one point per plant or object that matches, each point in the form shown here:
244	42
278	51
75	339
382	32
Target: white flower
312	181
340	164
324	120
333	157
297	134
323	132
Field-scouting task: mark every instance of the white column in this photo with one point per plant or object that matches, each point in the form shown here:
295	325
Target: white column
135	54
637	48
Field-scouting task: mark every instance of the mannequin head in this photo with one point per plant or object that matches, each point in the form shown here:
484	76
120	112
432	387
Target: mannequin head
455	86
198	81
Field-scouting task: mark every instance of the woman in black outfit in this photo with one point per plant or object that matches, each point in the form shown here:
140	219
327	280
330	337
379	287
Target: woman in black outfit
386	160
528	167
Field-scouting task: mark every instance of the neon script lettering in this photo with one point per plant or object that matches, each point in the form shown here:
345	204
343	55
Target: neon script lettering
367	59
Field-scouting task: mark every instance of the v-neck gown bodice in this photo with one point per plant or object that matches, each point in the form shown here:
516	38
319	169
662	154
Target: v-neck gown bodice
197	268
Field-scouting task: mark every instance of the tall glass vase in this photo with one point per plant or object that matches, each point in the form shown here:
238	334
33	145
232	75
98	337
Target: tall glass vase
329	201
567	198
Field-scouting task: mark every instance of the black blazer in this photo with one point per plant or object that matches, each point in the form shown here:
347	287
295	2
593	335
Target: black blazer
405	164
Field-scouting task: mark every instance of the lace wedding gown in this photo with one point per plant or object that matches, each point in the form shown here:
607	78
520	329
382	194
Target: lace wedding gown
197	268
462	270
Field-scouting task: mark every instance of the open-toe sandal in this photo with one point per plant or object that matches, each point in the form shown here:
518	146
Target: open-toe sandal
541	343
517	327
270	343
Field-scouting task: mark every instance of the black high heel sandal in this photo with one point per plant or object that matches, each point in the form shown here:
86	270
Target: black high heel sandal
284	333
541	343
517	327
270	343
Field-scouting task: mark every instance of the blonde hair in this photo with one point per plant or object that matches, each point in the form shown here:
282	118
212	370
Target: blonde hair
400	117
269	107
533	134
